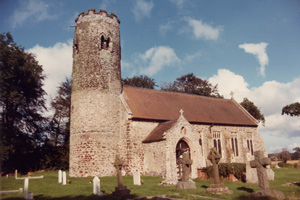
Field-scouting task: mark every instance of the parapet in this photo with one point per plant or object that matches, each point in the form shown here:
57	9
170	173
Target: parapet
101	12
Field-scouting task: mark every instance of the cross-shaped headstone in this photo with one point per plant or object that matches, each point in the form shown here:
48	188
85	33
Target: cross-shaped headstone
186	163
231	94
260	164
214	157
118	165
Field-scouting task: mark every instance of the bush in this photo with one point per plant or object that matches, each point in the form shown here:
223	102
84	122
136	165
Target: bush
237	169
286	165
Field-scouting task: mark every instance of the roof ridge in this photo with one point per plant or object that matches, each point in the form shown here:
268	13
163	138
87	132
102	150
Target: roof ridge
180	93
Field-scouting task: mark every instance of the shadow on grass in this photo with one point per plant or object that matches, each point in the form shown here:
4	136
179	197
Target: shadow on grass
249	190
91	197
204	186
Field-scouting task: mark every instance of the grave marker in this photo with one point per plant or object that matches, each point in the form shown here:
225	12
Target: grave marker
96	186
64	179
136	178
120	191
185	182
59	176
27	195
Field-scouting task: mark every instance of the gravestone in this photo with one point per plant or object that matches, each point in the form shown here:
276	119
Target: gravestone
276	163
136	178
260	163
27	195
64	179
218	187
59	176
16	174
96	186
121	191
185	182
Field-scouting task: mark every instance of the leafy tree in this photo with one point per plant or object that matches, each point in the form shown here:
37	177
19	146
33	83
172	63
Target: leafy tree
285	155
292	109
253	110
21	105
191	84
296	154
59	127
140	81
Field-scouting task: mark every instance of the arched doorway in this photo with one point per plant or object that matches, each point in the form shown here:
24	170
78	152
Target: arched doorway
181	147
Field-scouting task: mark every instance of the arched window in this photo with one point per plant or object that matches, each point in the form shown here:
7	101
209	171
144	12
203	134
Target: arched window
104	43
234	145
217	141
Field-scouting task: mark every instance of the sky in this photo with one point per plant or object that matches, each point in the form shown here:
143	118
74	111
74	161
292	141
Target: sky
251	48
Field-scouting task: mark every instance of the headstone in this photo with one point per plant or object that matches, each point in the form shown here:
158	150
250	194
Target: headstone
27	195
136	178
64	179
120	191
276	163
16	174
96	186
260	163
59	176
186	183
216	188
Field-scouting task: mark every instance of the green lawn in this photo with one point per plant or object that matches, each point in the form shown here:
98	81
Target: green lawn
80	188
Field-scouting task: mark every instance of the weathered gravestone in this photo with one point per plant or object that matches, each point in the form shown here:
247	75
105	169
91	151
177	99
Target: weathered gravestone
27	195
185	182
96	186
260	164
276	163
217	187
59	176
136	178
64	179
121	191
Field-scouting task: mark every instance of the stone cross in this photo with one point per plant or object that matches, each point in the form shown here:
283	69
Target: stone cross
260	164
59	176
64	179
186	163
214	157
231	94
136	178
118	165
27	195
181	111
16	174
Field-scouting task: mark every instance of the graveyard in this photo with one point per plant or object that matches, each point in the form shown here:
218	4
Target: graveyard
82	188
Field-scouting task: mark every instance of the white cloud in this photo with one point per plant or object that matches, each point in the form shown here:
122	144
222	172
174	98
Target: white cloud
155	59
259	51
179	3
142	9
270	98
202	30
57	65
31	9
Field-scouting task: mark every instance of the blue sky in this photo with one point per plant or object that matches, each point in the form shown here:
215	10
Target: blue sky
249	47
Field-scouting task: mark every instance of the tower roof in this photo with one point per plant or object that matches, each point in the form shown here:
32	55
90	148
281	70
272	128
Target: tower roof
147	104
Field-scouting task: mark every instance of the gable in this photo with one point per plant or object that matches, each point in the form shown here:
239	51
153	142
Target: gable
147	104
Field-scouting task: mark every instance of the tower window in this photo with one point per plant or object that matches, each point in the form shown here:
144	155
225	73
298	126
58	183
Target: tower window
104	43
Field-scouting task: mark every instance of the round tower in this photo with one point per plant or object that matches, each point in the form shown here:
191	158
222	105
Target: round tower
96	86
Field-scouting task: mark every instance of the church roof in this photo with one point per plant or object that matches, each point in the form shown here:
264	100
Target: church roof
147	104
157	134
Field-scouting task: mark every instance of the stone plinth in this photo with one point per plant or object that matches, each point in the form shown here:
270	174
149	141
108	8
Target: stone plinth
273	194
186	185
121	192
219	188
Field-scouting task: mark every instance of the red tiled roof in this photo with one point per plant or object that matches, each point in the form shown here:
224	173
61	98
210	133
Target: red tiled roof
164	106
157	133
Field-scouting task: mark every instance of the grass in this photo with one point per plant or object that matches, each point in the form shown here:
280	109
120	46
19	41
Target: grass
80	188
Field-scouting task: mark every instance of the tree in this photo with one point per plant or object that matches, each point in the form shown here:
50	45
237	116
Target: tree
191	84
140	81
21	105
292	109
59	127
285	155
296	154
253	110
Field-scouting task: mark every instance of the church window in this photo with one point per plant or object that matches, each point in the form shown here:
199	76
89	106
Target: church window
104	43
217	141
234	145
249	143
183	130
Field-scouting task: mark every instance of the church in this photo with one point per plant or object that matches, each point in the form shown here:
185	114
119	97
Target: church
148	129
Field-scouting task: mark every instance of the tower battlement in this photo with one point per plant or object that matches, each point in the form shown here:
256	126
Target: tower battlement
101	12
